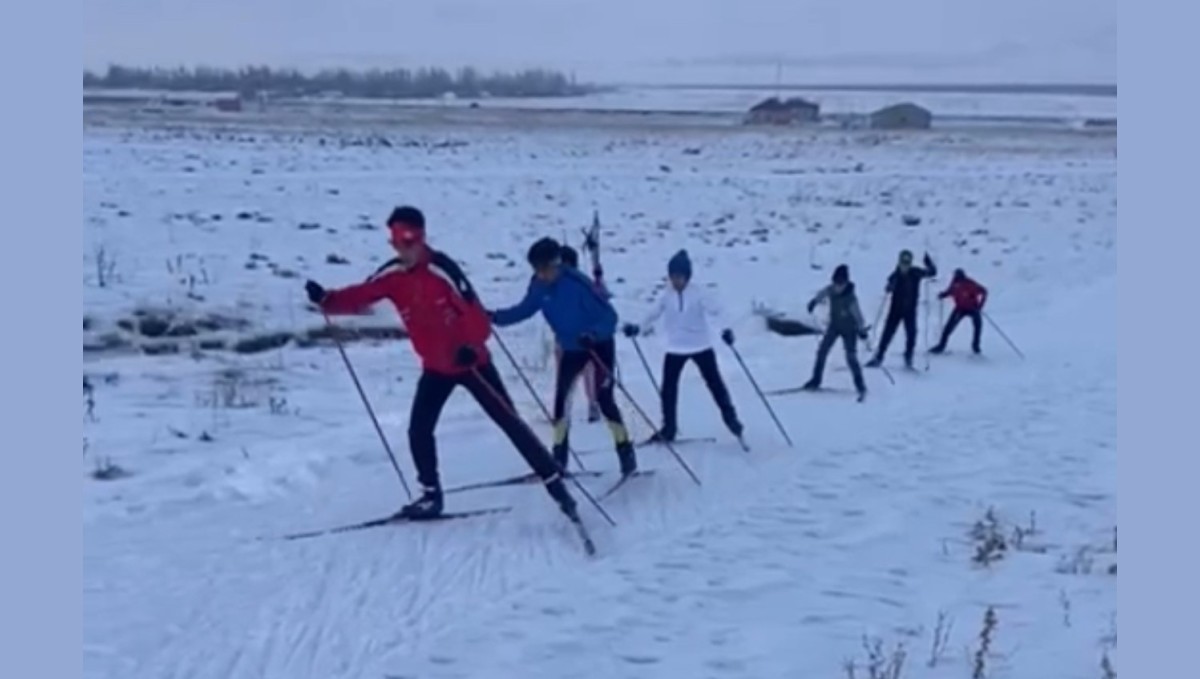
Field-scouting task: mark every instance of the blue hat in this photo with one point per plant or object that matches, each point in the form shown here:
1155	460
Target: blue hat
680	265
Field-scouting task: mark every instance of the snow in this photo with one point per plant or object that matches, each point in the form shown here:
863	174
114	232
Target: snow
776	567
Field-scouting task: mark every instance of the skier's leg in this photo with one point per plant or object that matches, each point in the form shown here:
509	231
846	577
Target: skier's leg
568	370
488	389
889	331
706	361
850	342
605	353
671	371
432	392
951	324
823	348
977	322
589	385
910	335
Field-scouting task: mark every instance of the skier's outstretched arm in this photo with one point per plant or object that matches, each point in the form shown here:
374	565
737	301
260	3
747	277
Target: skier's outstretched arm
524	309
821	296
930	270
354	298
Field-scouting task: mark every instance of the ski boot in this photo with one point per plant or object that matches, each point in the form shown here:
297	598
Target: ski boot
627	458
939	349
562	455
428	506
875	362
813	385
659	437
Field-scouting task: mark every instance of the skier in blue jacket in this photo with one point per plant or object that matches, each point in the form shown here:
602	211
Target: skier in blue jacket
584	325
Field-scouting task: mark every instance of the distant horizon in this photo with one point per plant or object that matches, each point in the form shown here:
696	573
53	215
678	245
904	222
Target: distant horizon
980	86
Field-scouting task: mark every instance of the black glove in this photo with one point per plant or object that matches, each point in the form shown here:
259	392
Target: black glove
864	333
316	294
929	262
631	330
466	356
587	341
812	305
727	336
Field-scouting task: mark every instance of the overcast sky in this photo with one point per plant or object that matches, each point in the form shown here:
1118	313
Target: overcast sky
628	40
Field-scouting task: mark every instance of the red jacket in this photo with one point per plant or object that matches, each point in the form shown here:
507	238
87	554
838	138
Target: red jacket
968	295
438	306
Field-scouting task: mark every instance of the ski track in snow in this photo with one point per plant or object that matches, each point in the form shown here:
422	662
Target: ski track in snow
776	567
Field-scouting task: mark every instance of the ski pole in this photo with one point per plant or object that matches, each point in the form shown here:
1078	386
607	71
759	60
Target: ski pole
533	392
927	303
512	412
1006	339
638	408
645	364
366	403
737	354
887	373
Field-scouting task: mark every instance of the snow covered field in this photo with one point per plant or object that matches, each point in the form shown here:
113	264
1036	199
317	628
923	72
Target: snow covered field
778	566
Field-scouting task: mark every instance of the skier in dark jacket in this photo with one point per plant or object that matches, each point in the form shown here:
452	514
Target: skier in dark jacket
448	329
845	323
969	298
584	323
904	286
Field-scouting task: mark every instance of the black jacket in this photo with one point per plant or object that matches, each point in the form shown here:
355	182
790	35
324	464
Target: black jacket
906	286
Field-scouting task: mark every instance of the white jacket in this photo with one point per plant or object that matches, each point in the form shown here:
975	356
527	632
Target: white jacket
686	319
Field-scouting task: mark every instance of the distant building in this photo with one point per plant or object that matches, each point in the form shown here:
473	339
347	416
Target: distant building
228	104
906	116
774	111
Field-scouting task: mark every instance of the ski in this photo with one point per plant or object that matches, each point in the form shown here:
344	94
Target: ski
396	519
676	442
621	482
518	480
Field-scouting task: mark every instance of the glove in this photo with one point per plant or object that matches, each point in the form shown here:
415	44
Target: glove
727	336
465	356
863	334
631	330
587	341
812	305
316	293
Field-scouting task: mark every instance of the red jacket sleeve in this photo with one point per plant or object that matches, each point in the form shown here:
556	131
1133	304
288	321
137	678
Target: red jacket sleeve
354	298
470	325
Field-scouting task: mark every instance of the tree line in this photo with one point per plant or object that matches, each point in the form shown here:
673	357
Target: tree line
397	83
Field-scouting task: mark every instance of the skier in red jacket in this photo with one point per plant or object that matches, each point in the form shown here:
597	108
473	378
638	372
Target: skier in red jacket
969	298
448	328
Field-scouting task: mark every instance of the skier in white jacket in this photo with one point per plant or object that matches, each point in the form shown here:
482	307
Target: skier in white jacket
687	312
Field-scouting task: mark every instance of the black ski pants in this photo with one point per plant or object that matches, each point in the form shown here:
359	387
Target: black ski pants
896	315
956	317
603	355
706	361
849	337
484	384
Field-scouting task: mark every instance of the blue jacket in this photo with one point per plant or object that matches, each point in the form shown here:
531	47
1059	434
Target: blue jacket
570	305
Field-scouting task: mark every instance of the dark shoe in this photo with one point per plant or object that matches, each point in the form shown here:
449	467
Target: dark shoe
908	362
939	349
811	385
975	349
627	458
660	436
428	506
875	362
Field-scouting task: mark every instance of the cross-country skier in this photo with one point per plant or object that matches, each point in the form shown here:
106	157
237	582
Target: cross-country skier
449	329
969	298
584	323
904	286
571	258
845	323
687	312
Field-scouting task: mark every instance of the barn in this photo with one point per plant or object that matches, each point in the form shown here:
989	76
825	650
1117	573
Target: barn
774	111
906	116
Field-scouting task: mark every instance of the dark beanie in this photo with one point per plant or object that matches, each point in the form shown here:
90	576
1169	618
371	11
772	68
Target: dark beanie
680	265
407	216
841	274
